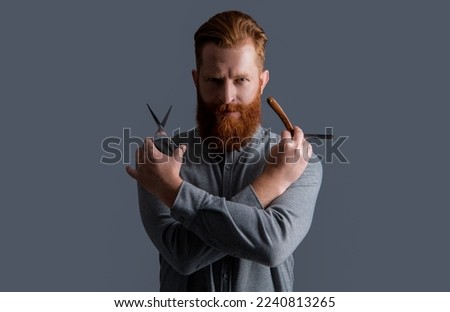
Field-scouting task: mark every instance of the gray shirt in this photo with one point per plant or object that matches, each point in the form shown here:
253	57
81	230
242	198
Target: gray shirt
217	236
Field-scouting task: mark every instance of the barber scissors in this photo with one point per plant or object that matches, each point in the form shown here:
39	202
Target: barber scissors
161	140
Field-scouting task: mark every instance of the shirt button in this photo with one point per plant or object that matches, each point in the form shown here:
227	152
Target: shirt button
228	167
225	276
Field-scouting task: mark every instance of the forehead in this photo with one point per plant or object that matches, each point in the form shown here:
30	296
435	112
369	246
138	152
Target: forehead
242	57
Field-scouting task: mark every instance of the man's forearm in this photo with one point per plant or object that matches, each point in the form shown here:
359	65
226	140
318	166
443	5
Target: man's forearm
240	228
267	189
287	161
182	248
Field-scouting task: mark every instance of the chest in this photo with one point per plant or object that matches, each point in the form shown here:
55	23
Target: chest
223	175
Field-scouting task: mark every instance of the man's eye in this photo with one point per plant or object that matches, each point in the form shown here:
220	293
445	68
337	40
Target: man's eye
241	80
214	80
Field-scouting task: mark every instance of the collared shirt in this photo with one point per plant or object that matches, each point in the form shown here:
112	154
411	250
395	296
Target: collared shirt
217	236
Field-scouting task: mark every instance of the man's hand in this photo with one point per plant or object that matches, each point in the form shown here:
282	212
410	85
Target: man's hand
157	172
287	162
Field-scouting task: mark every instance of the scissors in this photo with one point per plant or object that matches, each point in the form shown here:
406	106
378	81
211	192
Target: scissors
162	141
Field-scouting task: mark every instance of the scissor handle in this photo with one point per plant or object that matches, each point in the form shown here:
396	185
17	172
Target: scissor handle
165	145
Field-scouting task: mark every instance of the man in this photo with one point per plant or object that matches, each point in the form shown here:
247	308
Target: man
229	207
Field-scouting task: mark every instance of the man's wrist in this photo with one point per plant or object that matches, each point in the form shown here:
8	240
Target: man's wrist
170	194
267	188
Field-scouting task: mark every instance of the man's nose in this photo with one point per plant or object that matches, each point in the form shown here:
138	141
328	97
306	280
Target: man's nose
228	93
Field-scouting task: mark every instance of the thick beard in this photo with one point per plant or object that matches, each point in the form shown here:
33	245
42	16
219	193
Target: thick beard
228	133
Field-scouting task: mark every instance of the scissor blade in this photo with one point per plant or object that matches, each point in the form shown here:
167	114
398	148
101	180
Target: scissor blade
154	116
163	124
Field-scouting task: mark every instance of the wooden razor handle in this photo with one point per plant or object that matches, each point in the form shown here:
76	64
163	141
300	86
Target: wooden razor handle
284	118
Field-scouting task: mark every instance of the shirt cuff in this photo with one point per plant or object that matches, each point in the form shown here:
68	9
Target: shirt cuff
248	197
188	199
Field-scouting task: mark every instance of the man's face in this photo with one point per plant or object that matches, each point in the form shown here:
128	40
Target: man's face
229	85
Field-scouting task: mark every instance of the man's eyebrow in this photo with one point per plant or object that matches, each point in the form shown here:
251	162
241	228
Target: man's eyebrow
213	74
220	75
241	75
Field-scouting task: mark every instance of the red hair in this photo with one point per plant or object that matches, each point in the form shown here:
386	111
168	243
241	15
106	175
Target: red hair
229	29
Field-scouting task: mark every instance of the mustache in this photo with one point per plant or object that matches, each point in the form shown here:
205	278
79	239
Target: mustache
230	108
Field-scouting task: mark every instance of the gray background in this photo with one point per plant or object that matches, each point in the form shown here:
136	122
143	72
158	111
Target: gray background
74	73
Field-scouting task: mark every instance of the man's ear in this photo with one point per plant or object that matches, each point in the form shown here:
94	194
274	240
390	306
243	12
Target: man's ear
195	77
264	79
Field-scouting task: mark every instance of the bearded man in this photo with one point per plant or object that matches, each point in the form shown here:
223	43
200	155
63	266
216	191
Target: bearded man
227	210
